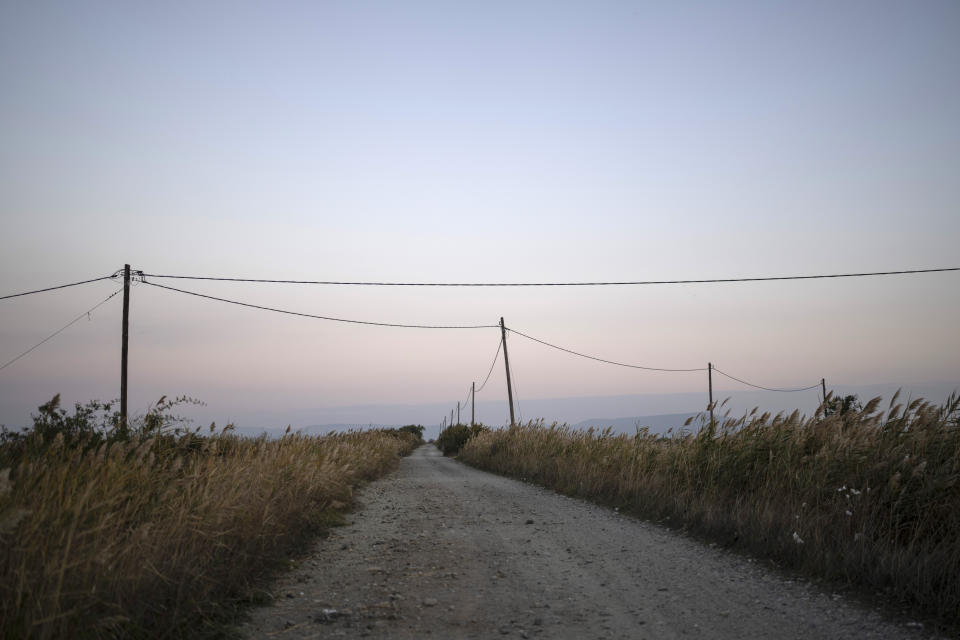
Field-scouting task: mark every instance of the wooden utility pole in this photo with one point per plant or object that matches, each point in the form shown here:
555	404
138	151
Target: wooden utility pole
710	387
458	412
506	362
823	384
473	403
451	416
123	347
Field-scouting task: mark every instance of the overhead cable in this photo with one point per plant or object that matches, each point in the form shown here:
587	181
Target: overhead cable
63	328
516	393
756	386
556	284
61	286
495	356
583	355
318	317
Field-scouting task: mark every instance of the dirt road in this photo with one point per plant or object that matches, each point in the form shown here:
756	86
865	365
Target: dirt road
438	549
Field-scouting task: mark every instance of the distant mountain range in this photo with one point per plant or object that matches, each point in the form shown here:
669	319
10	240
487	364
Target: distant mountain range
659	425
310	430
660	412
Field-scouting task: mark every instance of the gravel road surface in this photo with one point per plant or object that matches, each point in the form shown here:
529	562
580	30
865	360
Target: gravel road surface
438	549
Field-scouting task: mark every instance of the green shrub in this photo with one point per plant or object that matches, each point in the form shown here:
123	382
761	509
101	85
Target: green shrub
91	425
415	429
455	437
410	434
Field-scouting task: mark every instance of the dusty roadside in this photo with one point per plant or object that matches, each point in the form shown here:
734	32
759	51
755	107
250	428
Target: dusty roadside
442	550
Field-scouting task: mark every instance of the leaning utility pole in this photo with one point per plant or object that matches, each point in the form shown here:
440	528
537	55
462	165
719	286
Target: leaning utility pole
506	362
123	347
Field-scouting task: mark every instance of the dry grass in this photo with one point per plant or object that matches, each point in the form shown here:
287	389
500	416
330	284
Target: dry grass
158	538
871	497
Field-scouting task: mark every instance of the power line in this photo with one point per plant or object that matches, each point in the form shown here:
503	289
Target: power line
583	355
495	357
61	286
318	317
62	329
498	284
756	386
516	393
557	284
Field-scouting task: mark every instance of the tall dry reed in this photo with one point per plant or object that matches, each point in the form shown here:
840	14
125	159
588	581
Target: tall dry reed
870	497
156	538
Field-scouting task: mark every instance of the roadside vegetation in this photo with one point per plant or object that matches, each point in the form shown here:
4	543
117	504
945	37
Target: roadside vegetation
452	439
156	530
861	495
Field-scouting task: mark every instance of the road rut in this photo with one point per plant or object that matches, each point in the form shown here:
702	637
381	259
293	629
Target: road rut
439	549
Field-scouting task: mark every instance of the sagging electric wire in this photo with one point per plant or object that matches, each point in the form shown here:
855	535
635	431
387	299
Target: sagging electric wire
583	355
492	364
61	286
318	317
757	386
621	364
516	393
558	284
63	328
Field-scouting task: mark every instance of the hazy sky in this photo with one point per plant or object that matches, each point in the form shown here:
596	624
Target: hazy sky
487	141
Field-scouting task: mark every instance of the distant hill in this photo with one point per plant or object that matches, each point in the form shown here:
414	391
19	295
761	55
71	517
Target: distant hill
659	411
658	424
310	430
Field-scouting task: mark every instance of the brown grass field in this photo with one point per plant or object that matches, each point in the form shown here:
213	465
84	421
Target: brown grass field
869	498
166	536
